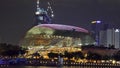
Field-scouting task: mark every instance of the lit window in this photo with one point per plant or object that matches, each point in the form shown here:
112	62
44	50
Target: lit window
117	30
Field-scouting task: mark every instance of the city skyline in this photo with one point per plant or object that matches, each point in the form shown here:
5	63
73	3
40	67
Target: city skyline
17	17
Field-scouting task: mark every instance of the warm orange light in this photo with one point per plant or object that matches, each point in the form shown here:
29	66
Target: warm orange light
93	22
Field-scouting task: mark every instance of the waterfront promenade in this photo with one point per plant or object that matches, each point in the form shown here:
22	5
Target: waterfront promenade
44	62
55	63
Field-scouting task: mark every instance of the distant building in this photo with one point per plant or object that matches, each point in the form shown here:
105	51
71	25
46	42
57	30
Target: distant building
103	37
95	28
110	37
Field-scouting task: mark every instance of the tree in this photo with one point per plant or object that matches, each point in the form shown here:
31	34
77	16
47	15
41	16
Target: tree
93	56
106	57
78	54
116	56
68	55
36	55
52	55
11	50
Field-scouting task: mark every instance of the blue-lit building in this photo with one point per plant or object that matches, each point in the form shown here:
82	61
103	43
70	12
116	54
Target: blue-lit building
96	27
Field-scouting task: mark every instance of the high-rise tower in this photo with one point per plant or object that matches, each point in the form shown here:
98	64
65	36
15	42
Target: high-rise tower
41	14
96	27
110	37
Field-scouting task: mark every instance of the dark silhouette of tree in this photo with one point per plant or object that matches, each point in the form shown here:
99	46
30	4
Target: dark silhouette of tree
69	55
89	55
52	55
36	55
111	46
97	56
93	56
78	55
116	56
11	50
106	57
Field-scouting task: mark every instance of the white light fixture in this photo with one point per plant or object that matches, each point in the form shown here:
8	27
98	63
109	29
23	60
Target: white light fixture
117	30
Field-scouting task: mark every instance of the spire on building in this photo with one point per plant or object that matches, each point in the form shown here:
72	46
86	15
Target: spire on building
50	10
42	16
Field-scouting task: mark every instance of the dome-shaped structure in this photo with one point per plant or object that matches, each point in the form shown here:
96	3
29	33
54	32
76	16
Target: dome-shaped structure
46	37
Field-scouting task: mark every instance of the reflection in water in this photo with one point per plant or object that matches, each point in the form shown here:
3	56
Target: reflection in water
55	67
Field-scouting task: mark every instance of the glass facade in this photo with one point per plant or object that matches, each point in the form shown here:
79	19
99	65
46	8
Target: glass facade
55	37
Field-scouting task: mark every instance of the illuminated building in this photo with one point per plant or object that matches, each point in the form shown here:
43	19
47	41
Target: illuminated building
56	37
45	37
110	37
96	27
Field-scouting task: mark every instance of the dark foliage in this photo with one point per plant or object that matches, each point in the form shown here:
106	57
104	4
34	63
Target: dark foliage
93	56
116	56
11	50
52	55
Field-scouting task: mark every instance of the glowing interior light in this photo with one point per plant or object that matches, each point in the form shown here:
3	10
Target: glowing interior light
51	11
37	13
48	7
38	2
98	21
117	30
48	3
52	15
80	44
93	22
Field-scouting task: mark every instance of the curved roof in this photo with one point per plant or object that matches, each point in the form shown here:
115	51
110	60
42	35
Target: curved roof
63	27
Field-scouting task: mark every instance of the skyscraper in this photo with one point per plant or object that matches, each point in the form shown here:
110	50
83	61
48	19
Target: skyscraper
110	37
96	27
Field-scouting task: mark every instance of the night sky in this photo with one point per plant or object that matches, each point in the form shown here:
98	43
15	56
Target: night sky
17	16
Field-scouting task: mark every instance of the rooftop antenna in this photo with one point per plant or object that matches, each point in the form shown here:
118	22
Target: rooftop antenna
42	16
38	3
49	8
38	8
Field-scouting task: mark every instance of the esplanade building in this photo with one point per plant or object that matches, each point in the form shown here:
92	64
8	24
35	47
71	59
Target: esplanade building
56	37
46	37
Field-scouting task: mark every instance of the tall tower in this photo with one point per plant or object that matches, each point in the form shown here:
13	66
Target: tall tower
41	15
96	26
